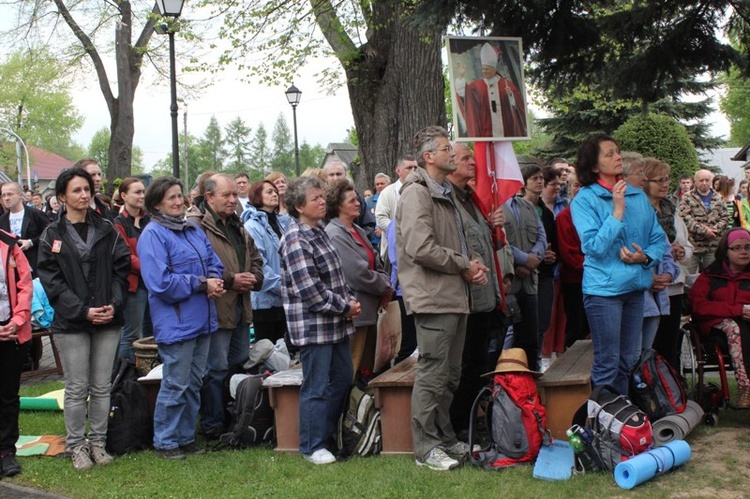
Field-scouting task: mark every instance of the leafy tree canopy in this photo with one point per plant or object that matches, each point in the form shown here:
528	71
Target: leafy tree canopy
660	136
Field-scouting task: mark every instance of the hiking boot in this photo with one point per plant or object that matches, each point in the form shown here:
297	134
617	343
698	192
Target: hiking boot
9	465
744	401
193	449
459	448
99	455
438	460
175	453
320	456
81	458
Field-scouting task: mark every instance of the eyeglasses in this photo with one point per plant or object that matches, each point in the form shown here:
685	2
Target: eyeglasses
745	248
445	149
661	181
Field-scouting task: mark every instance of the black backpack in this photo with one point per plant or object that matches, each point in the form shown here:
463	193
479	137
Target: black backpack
131	425
656	388
252	415
359	424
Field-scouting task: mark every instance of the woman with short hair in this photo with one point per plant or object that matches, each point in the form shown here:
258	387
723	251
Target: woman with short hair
622	241
362	267
84	266
182	275
319	310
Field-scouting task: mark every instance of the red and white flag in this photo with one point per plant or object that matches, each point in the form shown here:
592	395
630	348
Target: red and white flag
498	176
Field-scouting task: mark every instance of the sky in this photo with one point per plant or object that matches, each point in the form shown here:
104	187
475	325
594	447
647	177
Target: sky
321	118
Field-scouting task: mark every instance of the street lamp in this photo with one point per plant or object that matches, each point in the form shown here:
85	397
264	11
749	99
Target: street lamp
172	8
293	95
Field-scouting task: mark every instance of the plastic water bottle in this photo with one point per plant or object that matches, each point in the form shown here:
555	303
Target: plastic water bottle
639	384
575	440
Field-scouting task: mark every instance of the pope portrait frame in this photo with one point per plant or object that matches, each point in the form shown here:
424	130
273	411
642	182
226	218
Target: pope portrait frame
472	99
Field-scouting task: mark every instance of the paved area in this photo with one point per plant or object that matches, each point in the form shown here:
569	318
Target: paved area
11	491
47	361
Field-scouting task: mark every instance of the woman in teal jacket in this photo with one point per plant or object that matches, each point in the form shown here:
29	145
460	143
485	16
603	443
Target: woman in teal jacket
621	240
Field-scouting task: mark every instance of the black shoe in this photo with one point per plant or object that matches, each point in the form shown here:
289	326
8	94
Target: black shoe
193	449
213	433
175	453
9	465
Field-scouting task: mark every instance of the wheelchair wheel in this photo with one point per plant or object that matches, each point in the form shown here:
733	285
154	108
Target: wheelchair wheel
688	364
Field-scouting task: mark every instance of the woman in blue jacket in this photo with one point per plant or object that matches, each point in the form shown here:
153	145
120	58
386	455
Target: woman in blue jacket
265	225
622	241
182	275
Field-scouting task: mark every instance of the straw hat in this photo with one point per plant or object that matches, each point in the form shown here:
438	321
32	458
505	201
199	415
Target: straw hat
513	360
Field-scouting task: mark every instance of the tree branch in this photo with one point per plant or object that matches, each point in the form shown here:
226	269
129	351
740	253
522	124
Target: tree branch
88	46
333	31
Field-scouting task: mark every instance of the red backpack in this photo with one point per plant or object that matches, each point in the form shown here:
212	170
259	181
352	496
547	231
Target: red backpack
516	422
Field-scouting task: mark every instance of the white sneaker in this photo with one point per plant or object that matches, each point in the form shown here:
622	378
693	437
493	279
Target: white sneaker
460	448
320	456
544	364
438	460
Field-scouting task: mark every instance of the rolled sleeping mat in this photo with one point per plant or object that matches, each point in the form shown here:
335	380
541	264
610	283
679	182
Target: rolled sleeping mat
647	465
677	426
52	401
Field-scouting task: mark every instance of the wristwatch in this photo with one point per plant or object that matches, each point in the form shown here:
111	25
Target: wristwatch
203	283
648	261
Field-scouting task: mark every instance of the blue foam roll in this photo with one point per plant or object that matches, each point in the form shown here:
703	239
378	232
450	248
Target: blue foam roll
647	465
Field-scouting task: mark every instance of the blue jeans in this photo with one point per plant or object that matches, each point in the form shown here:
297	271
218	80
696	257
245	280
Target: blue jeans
616	324
228	347
132	329
87	360
650	326
328	374
177	405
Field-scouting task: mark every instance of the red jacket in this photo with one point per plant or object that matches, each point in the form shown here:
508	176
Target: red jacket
20	286
569	248
125	225
716	296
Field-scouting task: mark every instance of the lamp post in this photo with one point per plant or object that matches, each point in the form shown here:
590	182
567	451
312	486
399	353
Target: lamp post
293	95
173	9
19	144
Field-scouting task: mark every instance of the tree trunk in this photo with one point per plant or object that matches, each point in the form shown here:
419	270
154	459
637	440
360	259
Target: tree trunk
396	88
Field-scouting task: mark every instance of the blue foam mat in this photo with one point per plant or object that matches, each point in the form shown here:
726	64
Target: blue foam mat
555	462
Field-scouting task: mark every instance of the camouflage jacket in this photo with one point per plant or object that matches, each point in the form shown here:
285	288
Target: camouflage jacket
698	220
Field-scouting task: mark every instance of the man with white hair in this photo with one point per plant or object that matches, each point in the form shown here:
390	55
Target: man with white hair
385	210
706	217
494	104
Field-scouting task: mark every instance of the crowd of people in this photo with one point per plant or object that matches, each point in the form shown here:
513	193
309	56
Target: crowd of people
600	249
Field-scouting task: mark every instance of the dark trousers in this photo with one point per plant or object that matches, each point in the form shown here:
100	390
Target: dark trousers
479	328
525	333
408	333
11	359
269	324
577	324
668	340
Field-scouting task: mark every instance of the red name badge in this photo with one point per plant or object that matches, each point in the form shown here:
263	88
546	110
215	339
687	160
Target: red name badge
56	246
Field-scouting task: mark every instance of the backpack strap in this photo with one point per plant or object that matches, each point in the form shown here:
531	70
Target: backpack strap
485	392
546	436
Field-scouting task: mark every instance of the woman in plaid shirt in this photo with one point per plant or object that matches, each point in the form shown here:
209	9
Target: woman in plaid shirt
319	311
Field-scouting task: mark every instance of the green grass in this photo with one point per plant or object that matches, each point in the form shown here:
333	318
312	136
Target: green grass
261	472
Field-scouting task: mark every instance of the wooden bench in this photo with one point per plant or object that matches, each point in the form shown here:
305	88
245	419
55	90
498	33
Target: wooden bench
393	397
284	399
566	385
38	335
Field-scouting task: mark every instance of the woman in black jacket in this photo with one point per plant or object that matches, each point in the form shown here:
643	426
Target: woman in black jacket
84	266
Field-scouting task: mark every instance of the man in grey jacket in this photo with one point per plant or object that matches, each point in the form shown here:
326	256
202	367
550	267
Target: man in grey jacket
435	268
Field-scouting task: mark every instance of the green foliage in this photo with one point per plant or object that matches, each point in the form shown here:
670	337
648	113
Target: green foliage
735	104
539	139
211	152
237	141
259	153
662	137
99	150
310	156
35	101
282	159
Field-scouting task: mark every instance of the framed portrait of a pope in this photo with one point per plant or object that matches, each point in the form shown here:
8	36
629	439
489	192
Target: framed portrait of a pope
487	88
